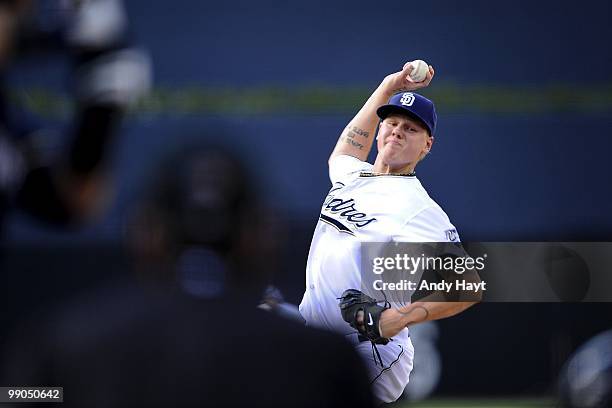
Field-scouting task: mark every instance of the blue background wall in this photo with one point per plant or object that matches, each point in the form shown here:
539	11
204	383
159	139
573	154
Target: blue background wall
523	89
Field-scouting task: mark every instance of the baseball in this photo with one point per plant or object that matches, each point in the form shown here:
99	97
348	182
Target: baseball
419	70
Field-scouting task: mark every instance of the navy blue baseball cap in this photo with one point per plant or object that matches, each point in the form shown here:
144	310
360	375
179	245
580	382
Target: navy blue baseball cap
414	105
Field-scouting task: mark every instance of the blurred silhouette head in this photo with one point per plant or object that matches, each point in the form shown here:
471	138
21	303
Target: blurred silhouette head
202	198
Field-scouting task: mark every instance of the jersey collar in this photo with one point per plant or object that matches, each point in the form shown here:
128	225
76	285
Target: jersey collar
372	174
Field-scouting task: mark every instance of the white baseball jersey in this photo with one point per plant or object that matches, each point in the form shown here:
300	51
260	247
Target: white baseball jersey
365	207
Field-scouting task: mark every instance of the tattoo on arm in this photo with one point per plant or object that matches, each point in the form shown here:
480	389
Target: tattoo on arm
349	136
414	309
354	143
356	131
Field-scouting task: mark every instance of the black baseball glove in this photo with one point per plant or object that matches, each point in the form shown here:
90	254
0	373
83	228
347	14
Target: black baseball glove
351	303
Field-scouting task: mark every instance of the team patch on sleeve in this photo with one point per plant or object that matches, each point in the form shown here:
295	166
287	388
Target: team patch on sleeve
452	235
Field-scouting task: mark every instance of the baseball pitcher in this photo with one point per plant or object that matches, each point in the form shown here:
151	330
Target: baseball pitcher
380	202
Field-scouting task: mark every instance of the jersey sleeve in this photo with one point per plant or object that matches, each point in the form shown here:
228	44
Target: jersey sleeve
343	167
429	225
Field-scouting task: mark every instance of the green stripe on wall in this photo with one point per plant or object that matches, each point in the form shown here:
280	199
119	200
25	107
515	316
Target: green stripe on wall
322	99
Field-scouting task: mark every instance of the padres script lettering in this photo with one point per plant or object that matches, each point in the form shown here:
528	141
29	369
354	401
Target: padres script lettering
346	208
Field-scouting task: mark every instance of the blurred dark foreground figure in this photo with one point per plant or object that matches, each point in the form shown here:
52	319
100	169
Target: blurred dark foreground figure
107	76
586	379
153	345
